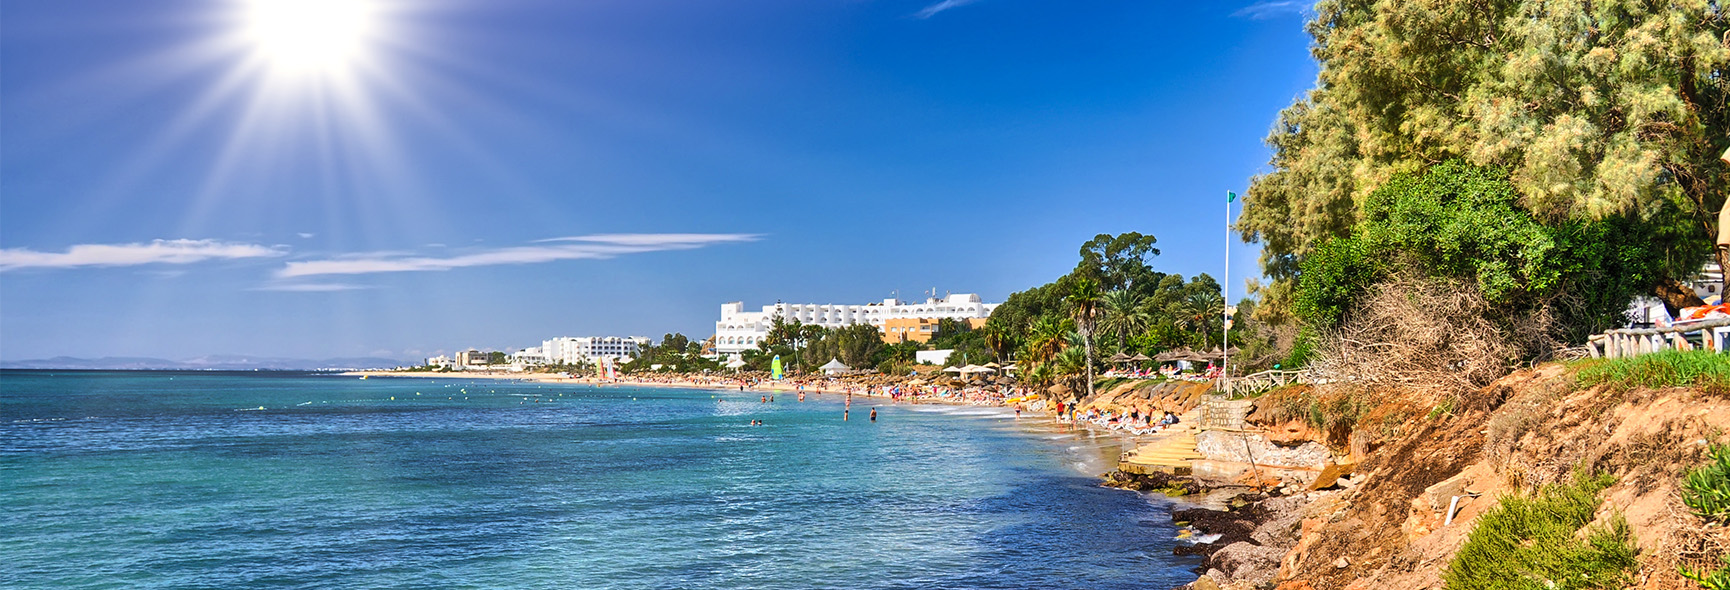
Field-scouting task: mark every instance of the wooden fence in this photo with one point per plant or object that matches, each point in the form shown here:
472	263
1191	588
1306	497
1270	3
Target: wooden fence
1265	380
1635	342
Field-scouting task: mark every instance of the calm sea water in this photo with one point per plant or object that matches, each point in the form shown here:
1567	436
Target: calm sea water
201	480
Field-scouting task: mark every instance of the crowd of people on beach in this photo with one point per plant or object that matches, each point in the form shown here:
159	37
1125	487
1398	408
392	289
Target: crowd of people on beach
1134	421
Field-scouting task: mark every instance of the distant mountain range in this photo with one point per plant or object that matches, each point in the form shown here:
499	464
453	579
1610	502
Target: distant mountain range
206	363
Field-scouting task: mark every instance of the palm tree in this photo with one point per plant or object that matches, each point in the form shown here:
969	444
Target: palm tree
1039	375
996	340
1197	312
1069	365
1047	338
1122	313
1084	296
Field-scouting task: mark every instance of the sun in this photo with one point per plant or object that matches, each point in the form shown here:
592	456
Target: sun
309	36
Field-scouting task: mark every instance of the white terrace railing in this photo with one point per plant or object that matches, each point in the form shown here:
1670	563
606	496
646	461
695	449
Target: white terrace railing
1637	341
1265	380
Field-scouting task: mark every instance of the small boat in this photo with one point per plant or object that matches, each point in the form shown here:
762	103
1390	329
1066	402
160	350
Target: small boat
363	377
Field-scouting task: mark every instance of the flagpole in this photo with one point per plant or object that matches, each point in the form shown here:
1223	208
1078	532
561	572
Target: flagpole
1225	302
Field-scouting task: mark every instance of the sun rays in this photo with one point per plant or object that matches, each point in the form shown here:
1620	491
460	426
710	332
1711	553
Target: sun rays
309	36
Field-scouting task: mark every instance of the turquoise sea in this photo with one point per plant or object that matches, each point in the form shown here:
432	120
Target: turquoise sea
295	480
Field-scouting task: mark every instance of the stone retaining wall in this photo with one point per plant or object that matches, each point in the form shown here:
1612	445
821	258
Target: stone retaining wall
1240	447
1217	412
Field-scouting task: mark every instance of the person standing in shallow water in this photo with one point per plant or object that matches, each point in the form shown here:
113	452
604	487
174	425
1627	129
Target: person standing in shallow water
873	414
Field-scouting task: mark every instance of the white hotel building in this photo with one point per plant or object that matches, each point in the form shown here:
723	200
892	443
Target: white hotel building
740	330
576	351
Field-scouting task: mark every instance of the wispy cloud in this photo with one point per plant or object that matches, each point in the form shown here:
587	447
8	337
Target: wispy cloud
1271	8
135	254
591	247
311	287
932	10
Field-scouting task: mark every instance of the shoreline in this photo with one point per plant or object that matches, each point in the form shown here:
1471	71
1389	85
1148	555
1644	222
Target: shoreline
821	385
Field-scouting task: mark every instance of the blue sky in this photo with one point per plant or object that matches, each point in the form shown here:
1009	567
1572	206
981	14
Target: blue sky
493	173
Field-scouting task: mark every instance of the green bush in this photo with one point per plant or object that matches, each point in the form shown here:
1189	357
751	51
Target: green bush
1695	368
1458	221
1303	348
1713	580
1706	489
1332	279
1532	542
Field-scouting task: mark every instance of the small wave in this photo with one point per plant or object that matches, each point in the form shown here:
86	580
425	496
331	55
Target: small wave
1189	536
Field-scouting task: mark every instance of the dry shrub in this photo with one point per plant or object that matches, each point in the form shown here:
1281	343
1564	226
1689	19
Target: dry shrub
1519	415
1439	335
1684	542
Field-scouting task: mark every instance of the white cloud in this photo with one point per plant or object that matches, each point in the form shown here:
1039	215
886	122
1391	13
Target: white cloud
694	240
592	247
311	287
305	235
154	252
933	9
1271	8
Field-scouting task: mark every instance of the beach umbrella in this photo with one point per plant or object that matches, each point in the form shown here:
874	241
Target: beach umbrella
1140	358
952	369
992	365
1120	358
735	364
834	366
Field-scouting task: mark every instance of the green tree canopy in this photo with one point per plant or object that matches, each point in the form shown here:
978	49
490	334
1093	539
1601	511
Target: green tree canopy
1119	262
1597	110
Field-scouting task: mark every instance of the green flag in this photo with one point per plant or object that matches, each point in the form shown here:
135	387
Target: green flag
1230	196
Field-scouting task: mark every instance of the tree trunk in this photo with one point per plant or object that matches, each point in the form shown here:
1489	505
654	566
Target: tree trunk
1723	250
1677	295
1087	341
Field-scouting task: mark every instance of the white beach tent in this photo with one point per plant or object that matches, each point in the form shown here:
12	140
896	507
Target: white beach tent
736	363
952	369
834	366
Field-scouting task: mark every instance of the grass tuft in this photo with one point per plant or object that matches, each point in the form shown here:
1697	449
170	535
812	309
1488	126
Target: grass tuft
1533	542
1706	370
1706	489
